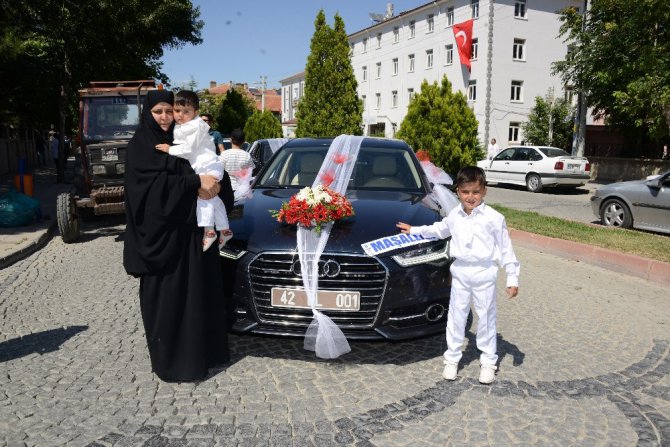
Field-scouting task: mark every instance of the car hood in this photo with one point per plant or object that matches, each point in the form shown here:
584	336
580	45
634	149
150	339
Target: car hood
630	185
376	214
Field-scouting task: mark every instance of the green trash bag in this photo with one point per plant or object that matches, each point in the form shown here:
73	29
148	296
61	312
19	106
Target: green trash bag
18	209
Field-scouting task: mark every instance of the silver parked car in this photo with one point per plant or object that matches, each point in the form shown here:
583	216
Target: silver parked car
643	204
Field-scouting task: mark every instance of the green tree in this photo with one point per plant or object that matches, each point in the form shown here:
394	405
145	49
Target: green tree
620	56
235	109
549	123
440	122
330	105
262	125
49	49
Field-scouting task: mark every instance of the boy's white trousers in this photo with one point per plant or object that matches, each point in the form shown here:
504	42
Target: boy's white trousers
211	213
472	282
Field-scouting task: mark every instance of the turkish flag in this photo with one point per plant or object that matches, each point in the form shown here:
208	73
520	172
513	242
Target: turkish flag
463	37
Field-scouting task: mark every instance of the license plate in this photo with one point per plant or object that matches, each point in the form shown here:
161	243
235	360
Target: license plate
573	166
325	299
110	155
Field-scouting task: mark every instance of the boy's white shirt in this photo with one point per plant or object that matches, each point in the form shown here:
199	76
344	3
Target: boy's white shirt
191	139
480	236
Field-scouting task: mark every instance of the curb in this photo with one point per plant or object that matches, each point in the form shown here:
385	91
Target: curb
23	253
633	265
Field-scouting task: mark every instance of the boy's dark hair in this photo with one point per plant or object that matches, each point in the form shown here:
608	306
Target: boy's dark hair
471	174
186	98
237	137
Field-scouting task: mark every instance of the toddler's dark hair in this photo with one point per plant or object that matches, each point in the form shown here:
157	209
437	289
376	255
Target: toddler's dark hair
186	98
470	174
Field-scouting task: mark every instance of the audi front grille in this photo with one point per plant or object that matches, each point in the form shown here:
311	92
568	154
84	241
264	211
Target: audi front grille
357	273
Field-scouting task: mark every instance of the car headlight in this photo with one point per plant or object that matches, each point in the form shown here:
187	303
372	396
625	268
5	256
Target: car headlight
231	253
423	255
99	169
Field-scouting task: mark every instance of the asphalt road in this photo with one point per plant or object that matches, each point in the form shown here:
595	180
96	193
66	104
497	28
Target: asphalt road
572	204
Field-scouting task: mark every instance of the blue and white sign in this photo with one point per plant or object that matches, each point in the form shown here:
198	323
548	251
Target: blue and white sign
384	244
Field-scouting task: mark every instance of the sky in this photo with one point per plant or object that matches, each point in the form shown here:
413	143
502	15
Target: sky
245	40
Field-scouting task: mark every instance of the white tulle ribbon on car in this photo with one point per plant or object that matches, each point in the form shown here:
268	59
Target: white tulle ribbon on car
441	194
323	336
244	180
276	143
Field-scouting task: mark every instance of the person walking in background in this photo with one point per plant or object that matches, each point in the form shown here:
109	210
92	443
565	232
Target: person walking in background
53	146
480	244
493	149
217	138
665	152
236	160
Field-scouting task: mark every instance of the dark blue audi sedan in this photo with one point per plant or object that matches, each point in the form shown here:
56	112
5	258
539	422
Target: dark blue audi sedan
397	294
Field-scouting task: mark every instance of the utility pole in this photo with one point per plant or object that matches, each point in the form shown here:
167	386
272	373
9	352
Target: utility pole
550	136
579	132
264	80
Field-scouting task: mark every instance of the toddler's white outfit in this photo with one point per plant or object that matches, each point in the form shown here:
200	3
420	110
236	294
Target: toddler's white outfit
480	243
193	143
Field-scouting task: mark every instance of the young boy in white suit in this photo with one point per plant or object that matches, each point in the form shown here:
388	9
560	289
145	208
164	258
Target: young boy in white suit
480	244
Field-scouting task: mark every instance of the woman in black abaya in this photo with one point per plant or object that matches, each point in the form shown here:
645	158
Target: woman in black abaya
181	291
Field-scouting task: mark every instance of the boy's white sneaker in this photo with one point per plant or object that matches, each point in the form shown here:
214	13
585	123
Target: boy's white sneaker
487	374
450	370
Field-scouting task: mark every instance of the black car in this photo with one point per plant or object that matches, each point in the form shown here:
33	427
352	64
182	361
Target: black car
402	293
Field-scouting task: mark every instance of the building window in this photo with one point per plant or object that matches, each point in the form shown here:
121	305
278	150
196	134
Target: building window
517	91
365	73
472	90
379	40
475	49
411	63
396	34
448	54
379	70
365	45
474	8
429	58
518	53
378	97
395	66
412	29
394	98
431	22
513	133
363	100
410	95
450	16
520	9
570	95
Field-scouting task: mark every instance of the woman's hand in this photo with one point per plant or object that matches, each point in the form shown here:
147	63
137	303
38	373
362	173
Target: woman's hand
209	187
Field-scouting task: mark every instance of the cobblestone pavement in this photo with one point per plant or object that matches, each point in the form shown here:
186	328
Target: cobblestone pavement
585	361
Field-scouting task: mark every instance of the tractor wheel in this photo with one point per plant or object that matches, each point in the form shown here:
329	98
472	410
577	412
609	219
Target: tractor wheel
68	220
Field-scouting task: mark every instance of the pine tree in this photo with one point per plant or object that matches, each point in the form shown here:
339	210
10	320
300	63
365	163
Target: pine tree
262	125
234	111
330	105
440	122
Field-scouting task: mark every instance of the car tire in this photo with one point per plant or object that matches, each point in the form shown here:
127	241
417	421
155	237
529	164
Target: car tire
533	183
615	213
66	215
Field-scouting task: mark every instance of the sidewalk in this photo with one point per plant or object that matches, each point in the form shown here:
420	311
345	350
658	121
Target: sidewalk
20	242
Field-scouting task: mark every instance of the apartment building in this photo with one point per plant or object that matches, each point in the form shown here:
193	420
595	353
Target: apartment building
514	43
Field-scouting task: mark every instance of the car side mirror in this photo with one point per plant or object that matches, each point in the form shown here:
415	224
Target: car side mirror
655	183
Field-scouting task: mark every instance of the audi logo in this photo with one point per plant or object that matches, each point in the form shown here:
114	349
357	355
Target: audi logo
330	268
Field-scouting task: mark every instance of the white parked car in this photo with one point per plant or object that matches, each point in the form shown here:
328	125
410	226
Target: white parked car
536	167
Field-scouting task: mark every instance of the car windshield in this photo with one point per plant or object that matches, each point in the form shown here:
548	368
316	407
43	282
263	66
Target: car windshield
109	117
376	168
553	152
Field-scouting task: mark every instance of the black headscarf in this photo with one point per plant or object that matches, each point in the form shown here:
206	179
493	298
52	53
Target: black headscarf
160	196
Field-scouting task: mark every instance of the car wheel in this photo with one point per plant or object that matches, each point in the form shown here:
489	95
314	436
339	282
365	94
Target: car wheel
615	213
534	183
68	220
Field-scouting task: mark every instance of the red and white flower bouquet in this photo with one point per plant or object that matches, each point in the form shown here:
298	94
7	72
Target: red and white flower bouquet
313	207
